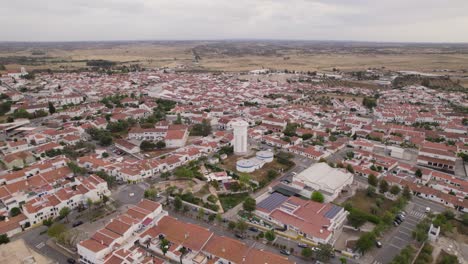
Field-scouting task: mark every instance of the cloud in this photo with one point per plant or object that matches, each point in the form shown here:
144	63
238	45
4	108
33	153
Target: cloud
368	20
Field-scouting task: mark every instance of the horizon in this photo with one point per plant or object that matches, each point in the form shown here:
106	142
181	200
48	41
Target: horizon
419	21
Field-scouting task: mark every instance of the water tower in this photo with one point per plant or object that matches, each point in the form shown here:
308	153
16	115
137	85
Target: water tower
240	137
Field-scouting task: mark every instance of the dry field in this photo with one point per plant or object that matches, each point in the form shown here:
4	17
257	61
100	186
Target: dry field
237	56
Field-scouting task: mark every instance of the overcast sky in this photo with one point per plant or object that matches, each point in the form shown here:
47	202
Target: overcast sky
365	20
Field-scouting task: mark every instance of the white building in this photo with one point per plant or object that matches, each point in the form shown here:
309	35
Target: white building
240	137
323	178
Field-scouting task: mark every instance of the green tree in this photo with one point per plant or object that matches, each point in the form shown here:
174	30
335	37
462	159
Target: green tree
365	242
270	235
325	252
183	172
15	211
241	226
201	213
350	168
383	186
150	193
317	197
4	239
418	173
249	204
56	230
147	145
203	129
395	190
160	144
307	252
164	246
343	260
272	174
51	108
407	192
231	225
183	251
178	203
372	180
64	212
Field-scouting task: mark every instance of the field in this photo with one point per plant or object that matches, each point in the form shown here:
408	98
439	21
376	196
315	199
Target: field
241	56
228	201
361	201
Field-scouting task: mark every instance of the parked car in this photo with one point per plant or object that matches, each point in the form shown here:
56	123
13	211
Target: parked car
77	223
239	235
378	244
253	229
428	209
395	223
399	221
285	252
71	261
302	245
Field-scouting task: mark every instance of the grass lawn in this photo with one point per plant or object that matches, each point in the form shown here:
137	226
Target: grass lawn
258	175
363	202
228	201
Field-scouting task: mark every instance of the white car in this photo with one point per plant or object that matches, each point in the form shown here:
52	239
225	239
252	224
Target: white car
131	194
428	209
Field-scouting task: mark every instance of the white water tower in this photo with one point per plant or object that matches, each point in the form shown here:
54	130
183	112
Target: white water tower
240	137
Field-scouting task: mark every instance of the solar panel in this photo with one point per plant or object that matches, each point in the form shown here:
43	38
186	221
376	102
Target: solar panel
272	202
333	211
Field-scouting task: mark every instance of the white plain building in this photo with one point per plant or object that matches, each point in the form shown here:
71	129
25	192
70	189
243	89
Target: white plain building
323	178
240	137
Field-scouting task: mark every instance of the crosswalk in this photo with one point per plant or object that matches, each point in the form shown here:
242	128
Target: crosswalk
376	262
40	245
417	214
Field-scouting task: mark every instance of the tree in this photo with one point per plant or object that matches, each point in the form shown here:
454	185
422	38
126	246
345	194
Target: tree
164	246
324	253
183	172
350	168
147	145
418	173
4	239
395	190
48	222
383	186
365	242
15	211
249	204
201	213
307	252
407	192
178	203
241	226
372	180
465	219
51	108
150	193
64	212
183	251
317	197
56	230
270	235
160	144
343	260
231	225
178	121
272	174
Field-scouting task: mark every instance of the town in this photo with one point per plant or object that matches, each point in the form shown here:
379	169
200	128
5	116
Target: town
165	166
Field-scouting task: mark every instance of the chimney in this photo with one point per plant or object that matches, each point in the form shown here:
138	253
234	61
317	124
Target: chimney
321	231
223	250
102	242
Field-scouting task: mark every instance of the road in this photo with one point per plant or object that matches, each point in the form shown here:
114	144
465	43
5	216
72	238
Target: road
401	236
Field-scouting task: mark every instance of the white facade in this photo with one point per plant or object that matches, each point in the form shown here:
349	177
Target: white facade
240	137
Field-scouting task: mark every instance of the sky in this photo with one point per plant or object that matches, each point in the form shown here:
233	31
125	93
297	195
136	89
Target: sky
359	20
